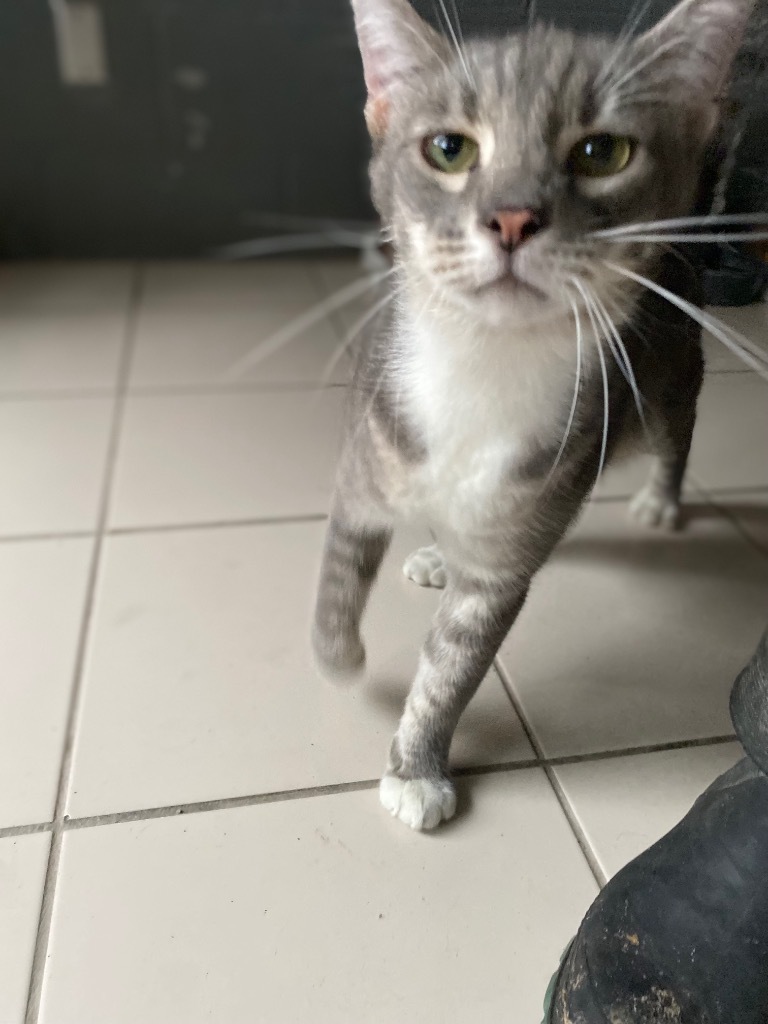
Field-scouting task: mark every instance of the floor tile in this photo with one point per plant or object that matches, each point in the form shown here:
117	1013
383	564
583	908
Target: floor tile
200	684
749	508
217	458
632	637
23	861
340	272
54	287
751	321
626	804
62	325
42	594
320	910
730	446
53	452
623	478
199	321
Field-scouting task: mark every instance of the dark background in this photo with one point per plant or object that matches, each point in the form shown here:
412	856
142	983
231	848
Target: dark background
215	112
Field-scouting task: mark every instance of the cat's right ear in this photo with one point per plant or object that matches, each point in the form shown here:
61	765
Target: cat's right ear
395	44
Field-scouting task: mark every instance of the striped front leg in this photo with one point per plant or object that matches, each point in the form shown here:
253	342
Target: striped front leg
473	618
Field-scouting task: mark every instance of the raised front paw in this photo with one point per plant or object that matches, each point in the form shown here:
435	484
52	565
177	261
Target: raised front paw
418	803
655	509
426	567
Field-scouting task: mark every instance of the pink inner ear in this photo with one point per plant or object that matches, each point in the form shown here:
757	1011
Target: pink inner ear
393	42
377	113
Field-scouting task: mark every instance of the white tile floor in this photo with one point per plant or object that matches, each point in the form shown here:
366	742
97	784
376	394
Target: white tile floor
217	852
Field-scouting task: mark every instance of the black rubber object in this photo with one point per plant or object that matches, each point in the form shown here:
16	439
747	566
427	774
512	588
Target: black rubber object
680	936
733	277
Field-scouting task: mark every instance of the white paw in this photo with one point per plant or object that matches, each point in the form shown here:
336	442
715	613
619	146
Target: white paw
426	567
657	510
418	803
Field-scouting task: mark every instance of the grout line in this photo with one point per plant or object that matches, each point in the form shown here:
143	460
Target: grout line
309	792
224	524
707	494
244	387
573	822
735	522
726	492
564	760
222	804
25	830
10	538
174	390
600	876
717	498
68	394
40	955
609	499
120	531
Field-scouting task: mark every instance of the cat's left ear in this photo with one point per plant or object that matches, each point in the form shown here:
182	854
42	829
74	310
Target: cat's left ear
695	47
395	45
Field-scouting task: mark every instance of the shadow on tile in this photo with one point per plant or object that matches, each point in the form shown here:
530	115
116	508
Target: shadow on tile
485	736
706	556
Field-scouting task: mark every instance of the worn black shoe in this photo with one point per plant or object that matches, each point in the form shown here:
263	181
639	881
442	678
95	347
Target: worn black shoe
680	936
732	276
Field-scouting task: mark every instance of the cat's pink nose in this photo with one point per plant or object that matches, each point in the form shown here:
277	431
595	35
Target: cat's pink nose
514	227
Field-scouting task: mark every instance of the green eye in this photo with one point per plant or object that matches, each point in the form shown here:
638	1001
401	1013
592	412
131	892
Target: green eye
451	153
599	156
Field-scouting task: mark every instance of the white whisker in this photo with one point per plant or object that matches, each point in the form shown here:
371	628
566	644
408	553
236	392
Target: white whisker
260	247
457	46
415	32
462	41
749	353
302	323
604	371
576	390
741	236
622	40
625	364
640	65
292	222
682	222
357	327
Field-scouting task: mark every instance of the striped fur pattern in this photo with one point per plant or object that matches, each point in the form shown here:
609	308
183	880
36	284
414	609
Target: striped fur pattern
495	386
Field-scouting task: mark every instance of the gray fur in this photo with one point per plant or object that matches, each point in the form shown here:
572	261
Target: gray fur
534	94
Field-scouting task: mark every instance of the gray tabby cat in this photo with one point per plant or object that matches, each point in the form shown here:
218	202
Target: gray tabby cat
518	354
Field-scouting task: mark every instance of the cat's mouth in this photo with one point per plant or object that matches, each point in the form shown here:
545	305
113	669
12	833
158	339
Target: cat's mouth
509	283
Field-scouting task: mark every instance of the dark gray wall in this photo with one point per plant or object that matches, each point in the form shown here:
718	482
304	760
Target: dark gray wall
215	112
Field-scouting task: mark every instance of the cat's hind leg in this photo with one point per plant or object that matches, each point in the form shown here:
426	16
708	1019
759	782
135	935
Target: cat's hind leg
657	504
426	567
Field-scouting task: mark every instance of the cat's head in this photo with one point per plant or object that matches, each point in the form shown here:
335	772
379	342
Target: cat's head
495	160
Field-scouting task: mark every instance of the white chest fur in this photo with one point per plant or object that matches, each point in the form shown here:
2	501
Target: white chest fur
483	400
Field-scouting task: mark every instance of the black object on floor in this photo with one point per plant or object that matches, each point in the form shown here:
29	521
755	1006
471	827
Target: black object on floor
733	276
680	936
